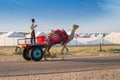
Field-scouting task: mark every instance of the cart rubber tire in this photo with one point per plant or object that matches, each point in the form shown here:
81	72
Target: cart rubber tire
26	55
36	54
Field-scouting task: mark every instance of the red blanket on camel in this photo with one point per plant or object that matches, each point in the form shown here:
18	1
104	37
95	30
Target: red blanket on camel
58	36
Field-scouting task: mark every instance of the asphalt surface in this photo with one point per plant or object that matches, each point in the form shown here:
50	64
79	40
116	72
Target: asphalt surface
19	68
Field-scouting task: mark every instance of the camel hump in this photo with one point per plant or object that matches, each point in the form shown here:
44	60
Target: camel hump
59	32
58	36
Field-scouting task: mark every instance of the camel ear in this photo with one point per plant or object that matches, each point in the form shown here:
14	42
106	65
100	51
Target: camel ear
75	25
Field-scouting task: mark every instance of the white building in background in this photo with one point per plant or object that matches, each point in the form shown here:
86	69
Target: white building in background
112	38
39	33
10	38
12	34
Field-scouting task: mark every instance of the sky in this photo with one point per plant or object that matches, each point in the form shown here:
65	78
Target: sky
91	15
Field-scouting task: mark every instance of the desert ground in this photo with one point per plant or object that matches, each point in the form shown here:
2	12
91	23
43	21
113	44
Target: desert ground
8	54
112	74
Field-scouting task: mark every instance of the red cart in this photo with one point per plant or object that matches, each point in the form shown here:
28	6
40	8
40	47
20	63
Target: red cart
32	51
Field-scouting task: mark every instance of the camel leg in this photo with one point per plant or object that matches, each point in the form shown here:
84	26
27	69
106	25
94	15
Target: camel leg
62	53
66	49
48	50
45	53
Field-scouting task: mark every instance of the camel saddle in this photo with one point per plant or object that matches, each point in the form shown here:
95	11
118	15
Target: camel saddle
58	36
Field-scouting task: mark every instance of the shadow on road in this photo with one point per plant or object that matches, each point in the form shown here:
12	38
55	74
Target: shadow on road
90	60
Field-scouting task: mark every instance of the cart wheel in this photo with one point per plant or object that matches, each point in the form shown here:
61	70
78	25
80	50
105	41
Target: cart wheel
36	54
26	55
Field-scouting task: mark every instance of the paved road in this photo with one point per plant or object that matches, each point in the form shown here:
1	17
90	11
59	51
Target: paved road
18	68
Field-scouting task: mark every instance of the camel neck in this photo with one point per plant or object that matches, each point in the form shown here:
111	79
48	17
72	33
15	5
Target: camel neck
72	35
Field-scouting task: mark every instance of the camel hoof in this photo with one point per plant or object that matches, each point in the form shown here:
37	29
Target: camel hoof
62	58
46	59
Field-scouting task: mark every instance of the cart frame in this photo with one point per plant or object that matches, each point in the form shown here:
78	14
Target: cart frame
31	51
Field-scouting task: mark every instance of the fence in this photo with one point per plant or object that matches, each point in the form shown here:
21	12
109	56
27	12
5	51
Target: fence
94	41
75	41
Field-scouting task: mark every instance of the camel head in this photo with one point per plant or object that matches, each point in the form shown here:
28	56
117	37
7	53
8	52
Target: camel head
71	36
75	27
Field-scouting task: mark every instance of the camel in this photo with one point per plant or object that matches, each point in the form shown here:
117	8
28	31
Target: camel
63	44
